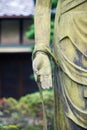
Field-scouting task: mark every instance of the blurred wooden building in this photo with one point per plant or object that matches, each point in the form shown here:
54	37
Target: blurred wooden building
15	48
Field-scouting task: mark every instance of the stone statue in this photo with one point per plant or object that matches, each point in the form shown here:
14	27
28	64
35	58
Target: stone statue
70	56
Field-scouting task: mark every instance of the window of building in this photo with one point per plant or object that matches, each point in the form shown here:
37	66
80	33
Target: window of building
9	32
13	31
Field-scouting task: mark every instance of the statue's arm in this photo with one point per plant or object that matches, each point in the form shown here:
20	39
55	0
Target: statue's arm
42	22
41	63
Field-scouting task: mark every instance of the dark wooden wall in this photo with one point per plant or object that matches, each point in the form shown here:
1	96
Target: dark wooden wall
16	75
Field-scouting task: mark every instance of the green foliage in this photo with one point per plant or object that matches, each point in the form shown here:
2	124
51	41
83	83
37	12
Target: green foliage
52	31
34	128
30	32
54	3
8	127
29	107
33	102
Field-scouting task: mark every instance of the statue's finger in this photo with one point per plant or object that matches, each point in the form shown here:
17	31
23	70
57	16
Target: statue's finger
46	82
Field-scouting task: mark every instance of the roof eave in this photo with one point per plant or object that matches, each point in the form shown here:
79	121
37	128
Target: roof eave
15	16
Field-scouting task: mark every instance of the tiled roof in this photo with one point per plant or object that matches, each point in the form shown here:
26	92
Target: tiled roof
16	7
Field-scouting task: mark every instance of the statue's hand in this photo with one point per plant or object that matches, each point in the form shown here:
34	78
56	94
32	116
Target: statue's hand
42	70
